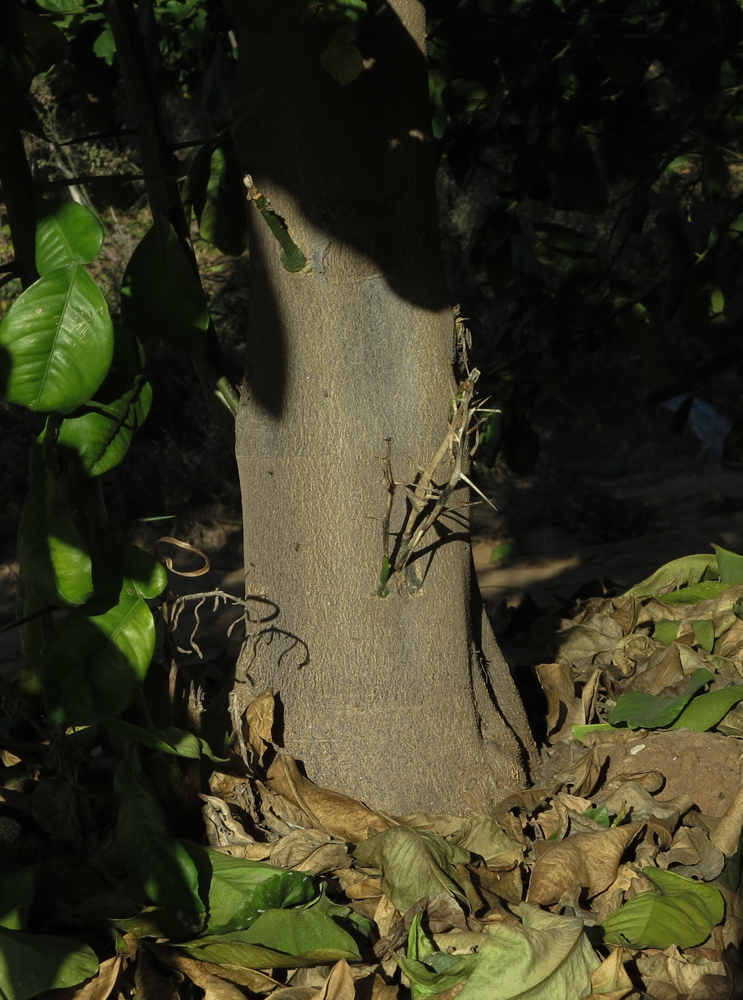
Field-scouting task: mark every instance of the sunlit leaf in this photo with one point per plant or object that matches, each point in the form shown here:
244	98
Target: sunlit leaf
58	340
678	573
641	710
174	741
731	565
680	912
67	233
33	963
706	710
16	896
215	189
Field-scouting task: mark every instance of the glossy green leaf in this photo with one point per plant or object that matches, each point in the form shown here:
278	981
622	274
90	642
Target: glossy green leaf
58	341
580	732
239	890
414	863
67	233
16	896
174	741
731	565
161	295
147	573
161	865
678	912
97	659
30	964
678	573
99	437
641	710
52	551
215	189
704	633
706	710
546	957
281	939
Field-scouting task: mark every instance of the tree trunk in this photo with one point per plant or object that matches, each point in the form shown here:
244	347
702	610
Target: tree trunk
401	700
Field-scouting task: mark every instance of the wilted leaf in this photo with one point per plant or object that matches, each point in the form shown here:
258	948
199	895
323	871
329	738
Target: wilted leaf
680	912
641	710
414	863
692	849
429	969
335	813
589	860
310	851
610	981
548	957
481	835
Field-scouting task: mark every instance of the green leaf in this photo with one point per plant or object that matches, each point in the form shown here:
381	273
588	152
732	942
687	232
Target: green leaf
429	970
731	565
599	815
215	189
704	591
666	630
580	732
67	233
16	896
239	890
641	710
173	741
100	436
707	710
680	912
161	295
281	939
547	957
678	573
52	551
59	342
704	632
161	865
145	571
97	659
414	863
30	964
341	57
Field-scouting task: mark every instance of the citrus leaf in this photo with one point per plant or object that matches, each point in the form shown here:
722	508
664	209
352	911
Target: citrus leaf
161	295
59	342
147	573
161	865
704	591
52	551
240	890
706	710
99	437
678	573
215	189
429	970
680	912
97	659
16	896
174	741
414	863
30	964
641	710
731	565
547	957
65	234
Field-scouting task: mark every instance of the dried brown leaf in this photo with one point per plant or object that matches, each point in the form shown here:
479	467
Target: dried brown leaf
726	834
310	850
589	860
198	972
323	809
632	652
376	988
693	855
258	723
222	829
664	668
216	988
149	981
610	981
296	993
731	642
525	801
556	680
339	985
444	825
387	917
369	888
